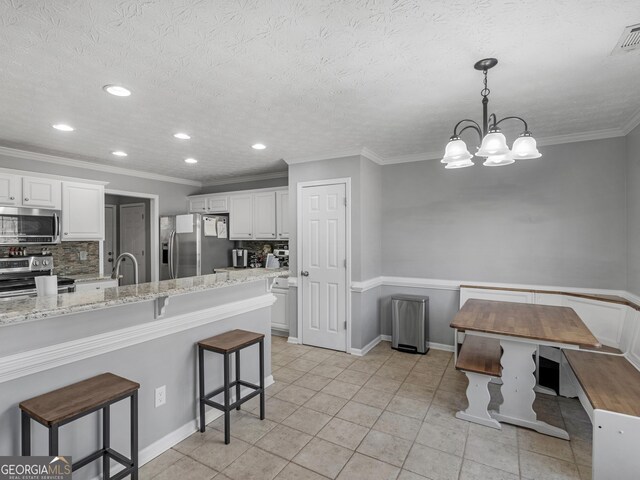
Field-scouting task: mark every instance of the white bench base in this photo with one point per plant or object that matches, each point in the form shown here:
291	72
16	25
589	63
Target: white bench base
478	397
615	446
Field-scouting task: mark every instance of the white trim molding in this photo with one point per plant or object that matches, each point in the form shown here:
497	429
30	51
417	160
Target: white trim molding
360	352
70	162
360	287
632	123
293	340
33	361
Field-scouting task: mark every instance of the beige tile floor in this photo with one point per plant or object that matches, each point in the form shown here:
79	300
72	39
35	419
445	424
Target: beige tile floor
388	415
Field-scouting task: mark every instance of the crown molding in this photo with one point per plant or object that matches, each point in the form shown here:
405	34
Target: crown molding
581	137
69	162
347	152
413	157
246	178
373	156
632	123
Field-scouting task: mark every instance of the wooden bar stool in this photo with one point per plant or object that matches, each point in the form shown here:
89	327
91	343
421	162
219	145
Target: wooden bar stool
226	344
60	407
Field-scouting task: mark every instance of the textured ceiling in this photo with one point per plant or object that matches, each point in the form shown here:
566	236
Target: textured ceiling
303	77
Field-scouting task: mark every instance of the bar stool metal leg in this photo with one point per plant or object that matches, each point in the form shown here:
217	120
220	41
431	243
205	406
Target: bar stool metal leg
201	382
237	355
26	434
53	441
134	435
106	442
261	379
227	415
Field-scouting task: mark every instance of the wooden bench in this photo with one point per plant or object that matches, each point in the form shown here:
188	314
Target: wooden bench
479	359
609	389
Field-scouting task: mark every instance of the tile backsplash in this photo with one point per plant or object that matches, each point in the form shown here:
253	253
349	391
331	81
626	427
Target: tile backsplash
66	257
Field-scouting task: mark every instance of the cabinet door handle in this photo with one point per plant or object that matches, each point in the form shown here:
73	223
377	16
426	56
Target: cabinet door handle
66	233
304	273
26	199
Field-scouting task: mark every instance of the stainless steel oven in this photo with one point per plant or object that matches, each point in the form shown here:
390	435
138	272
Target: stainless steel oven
18	274
29	226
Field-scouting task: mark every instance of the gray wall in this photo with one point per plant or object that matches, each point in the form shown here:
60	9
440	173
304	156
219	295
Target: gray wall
172	196
366	245
559	220
234	187
633	211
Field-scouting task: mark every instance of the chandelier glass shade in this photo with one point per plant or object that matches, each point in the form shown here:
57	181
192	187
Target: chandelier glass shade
493	143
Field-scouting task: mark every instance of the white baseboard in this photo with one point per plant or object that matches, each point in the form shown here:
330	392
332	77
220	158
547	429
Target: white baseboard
434	345
360	352
293	340
173	438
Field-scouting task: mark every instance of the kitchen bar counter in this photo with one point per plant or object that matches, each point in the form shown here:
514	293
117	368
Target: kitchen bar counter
35	308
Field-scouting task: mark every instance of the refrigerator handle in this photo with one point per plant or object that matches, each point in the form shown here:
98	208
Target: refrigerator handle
176	252
171	253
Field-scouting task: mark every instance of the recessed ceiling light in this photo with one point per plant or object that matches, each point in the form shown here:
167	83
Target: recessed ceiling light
182	136
117	90
190	160
119	153
258	146
63	127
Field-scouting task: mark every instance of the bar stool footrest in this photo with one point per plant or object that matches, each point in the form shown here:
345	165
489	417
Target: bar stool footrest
111	453
233	405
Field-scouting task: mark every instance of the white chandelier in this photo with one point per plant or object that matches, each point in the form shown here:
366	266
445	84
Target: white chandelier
493	144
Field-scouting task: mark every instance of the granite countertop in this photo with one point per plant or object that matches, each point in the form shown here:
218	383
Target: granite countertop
89	277
24	309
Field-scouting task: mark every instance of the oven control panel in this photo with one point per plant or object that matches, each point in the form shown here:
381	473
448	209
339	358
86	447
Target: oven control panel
26	264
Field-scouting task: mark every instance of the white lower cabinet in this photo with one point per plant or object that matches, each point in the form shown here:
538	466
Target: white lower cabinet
92	286
279	320
82	211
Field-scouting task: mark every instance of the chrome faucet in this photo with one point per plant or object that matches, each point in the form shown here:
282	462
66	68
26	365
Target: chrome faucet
115	273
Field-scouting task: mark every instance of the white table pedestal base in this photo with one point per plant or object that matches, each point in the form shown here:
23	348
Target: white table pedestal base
518	382
478	397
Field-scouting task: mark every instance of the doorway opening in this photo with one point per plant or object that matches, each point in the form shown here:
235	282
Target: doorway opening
324	262
131	227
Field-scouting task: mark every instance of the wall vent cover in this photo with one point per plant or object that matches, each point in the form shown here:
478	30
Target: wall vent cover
629	40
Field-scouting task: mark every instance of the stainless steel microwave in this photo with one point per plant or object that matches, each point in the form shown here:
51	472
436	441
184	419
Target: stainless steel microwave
29	226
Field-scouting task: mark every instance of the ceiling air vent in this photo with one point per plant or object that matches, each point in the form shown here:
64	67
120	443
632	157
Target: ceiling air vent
629	40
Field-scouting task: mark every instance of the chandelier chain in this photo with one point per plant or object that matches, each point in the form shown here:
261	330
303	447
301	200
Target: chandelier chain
485	91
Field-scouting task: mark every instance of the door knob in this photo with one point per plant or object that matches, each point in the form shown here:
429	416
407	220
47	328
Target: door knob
304	273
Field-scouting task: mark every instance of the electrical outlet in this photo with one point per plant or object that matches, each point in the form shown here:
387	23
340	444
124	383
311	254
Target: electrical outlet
83	255
161	396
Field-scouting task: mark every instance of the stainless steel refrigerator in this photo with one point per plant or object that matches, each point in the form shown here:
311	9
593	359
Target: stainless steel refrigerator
188	248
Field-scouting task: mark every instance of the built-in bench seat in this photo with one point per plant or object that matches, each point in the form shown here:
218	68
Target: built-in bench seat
479	359
608	387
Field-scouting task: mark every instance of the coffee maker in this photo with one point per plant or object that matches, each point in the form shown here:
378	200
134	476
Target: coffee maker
240	258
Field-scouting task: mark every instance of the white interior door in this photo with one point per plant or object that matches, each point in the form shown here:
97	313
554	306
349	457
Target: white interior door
132	240
323	269
109	252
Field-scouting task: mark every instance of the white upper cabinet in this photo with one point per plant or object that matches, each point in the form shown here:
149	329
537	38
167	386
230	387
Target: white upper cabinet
218	204
198	205
282	214
264	216
241	217
41	192
10	190
82	211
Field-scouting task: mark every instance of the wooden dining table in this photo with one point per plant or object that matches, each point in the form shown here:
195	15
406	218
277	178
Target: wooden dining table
521	328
